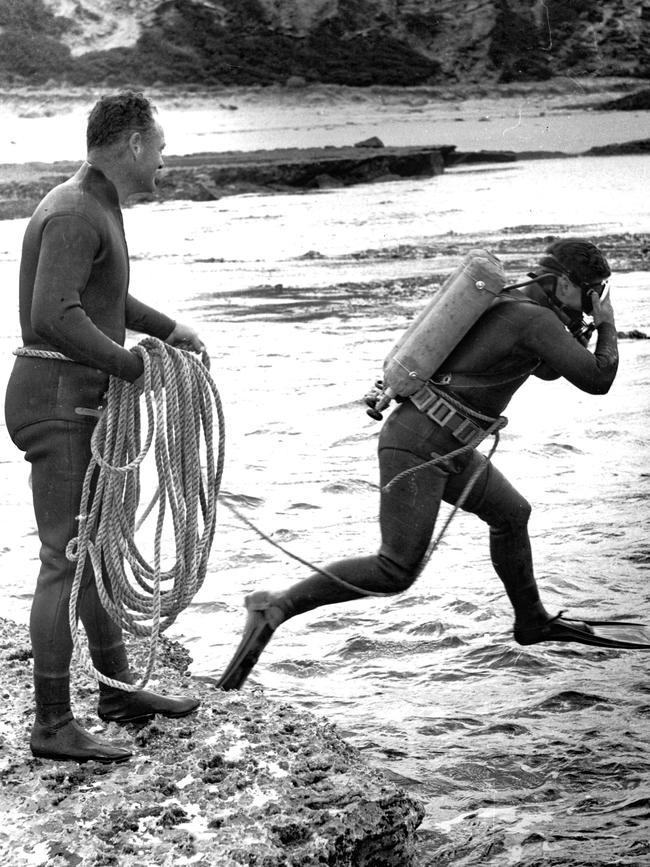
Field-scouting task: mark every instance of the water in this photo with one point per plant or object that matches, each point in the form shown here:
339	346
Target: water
522	756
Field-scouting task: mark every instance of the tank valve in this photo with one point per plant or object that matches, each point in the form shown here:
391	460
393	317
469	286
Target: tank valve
378	399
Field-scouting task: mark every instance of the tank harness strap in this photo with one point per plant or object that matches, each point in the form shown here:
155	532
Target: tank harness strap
451	414
482	380
491	380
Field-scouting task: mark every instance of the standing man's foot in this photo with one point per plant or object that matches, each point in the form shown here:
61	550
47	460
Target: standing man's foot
265	614
119	706
68	741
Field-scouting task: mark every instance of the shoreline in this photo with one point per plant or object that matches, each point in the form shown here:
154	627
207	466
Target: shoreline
210	176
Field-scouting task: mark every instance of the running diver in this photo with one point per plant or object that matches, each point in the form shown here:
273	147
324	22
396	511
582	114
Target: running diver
534	329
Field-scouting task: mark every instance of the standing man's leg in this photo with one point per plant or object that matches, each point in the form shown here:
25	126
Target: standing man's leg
58	452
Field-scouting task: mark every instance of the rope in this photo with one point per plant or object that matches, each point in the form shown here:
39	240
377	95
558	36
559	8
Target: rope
41	353
181	400
493	430
319	569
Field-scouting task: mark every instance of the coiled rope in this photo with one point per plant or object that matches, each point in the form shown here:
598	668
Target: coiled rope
182	402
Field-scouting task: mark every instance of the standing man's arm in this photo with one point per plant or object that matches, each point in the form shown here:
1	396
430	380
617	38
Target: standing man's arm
140	317
68	246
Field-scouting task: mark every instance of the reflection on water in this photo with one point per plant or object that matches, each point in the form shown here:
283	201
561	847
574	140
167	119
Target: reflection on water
523	755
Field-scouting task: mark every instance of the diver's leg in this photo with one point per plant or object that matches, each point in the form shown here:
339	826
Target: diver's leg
408	511
495	501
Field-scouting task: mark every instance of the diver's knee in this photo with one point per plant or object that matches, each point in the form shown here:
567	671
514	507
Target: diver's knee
398	576
515	522
523	513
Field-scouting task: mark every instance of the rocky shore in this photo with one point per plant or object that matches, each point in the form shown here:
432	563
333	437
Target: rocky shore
209	176
243	781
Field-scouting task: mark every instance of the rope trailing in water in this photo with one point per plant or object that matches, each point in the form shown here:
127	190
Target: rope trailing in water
494	426
181	401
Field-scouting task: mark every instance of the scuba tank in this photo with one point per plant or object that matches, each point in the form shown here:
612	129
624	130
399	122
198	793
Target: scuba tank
439	327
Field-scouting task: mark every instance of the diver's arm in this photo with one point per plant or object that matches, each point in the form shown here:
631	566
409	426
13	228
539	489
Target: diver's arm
545	372
594	372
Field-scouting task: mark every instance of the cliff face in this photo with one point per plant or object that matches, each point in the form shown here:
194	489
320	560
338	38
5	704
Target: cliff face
356	42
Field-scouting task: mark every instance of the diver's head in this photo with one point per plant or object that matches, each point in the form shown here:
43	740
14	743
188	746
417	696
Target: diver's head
577	264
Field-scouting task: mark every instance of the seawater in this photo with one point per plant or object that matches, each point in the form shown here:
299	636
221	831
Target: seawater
522	756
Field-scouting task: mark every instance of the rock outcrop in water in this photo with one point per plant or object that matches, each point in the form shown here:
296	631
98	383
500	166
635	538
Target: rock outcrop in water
244	781
208	176
358	42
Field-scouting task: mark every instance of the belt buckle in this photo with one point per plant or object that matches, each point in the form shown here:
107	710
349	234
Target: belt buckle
441	412
466	431
424	398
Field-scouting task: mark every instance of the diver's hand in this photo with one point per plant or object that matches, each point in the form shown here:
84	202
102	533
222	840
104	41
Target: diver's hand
185	337
602	311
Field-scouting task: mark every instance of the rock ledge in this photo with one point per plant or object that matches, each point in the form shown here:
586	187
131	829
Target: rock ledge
243	781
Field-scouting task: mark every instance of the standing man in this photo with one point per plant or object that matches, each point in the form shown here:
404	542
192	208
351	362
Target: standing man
536	330
74	300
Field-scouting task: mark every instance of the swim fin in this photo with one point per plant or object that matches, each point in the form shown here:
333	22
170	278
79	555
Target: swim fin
264	617
597	633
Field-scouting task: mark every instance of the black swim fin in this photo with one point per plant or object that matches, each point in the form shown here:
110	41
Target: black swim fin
596	633
264	617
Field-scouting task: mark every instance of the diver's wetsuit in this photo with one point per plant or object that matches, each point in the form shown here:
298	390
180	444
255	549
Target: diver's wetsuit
508	342
73	299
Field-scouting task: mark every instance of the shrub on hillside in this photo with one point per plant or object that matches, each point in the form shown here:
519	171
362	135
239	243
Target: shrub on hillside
37	58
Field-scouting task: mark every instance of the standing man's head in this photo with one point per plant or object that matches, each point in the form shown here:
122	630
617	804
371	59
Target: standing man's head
125	141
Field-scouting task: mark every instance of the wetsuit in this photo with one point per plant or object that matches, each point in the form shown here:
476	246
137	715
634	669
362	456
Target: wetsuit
509	342
74	299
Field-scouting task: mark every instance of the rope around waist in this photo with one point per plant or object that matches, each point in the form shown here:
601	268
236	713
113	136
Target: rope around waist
26	352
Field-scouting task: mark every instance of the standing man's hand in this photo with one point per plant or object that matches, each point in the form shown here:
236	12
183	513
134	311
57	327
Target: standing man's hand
185	337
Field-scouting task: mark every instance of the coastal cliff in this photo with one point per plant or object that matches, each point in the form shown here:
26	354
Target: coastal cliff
349	42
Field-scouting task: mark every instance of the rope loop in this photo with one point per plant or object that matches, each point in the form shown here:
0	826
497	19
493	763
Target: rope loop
183	421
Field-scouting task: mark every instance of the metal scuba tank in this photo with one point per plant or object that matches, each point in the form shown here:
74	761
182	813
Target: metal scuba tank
439	327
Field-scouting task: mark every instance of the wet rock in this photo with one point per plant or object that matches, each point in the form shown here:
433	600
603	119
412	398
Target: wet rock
243	781
634	334
639	101
372	142
638	146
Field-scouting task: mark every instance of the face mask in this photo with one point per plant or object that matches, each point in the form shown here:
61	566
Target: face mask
601	287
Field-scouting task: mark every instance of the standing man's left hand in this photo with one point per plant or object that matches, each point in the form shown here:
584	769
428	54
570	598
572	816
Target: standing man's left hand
185	337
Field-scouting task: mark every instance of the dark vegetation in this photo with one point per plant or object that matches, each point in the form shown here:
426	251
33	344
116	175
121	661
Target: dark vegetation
188	44
560	36
235	43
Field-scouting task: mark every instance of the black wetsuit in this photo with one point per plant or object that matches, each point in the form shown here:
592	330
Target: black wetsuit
494	359
74	299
